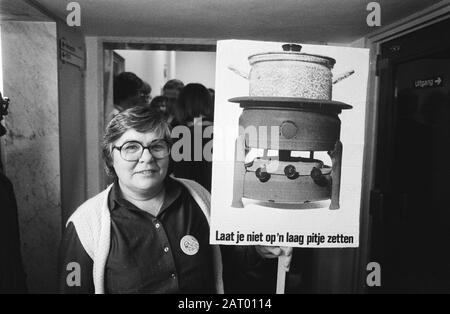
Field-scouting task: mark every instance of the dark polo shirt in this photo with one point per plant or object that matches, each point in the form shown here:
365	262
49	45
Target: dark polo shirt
198	170
145	254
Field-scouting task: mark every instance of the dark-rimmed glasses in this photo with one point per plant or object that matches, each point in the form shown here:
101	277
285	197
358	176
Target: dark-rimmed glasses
133	150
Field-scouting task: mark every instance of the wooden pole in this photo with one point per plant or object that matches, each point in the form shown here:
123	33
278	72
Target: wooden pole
336	158
281	274
239	173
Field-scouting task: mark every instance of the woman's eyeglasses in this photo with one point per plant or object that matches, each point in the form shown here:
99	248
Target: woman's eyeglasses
133	150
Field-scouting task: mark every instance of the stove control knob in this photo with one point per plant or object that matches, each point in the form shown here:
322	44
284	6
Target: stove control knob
318	177
291	172
262	175
288	129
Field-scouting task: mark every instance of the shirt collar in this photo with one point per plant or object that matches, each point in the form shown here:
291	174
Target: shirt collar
116	200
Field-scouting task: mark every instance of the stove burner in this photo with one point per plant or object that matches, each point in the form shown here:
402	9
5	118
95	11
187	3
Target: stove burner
301	125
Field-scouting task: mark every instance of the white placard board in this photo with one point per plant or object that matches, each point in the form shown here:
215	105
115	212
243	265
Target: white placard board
310	225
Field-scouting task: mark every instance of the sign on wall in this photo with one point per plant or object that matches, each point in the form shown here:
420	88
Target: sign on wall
437	81
71	54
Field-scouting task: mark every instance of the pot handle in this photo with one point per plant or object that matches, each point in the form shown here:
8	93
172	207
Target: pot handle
292	47
238	72
343	76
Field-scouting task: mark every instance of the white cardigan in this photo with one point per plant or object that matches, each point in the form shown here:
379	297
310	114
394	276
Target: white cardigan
92	222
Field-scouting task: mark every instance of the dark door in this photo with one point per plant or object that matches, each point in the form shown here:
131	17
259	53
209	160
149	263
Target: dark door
411	210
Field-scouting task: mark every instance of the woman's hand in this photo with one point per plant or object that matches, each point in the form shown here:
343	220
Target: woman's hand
274	252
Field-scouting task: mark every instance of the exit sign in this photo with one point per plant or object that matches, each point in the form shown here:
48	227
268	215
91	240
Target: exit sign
437	81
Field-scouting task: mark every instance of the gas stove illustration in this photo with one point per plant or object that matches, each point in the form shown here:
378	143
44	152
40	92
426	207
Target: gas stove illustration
297	116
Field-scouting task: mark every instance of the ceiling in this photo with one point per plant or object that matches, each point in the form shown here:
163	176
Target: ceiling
13	10
293	20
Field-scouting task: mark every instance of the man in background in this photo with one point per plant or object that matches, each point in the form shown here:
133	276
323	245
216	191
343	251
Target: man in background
171	90
146	93
12	275
128	91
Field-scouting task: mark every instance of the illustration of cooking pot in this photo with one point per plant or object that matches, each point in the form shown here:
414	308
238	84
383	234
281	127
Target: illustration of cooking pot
290	73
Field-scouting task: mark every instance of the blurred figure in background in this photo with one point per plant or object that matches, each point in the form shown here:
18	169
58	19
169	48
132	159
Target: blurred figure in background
194	102
212	92
194	110
12	275
171	90
128	92
159	103
146	93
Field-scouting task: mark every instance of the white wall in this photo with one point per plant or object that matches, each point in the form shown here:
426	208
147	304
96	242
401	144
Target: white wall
157	67
135	62
149	66
196	67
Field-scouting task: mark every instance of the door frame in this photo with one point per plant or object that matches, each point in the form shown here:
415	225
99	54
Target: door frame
432	15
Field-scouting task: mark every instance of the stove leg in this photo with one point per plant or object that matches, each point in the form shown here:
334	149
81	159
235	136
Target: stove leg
239	173
336	159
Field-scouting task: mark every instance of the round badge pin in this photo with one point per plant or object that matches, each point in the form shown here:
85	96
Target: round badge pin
189	245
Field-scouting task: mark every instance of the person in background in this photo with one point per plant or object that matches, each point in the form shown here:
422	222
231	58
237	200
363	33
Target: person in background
128	90
12	274
212	92
194	102
194	110
146	93
171	90
159	103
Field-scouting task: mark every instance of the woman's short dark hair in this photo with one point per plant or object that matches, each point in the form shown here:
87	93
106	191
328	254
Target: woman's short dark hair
141	119
194	100
173	84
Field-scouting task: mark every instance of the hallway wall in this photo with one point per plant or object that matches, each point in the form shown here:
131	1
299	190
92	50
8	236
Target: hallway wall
32	144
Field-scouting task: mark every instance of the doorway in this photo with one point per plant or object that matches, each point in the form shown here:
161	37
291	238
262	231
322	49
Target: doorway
410	214
155	63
